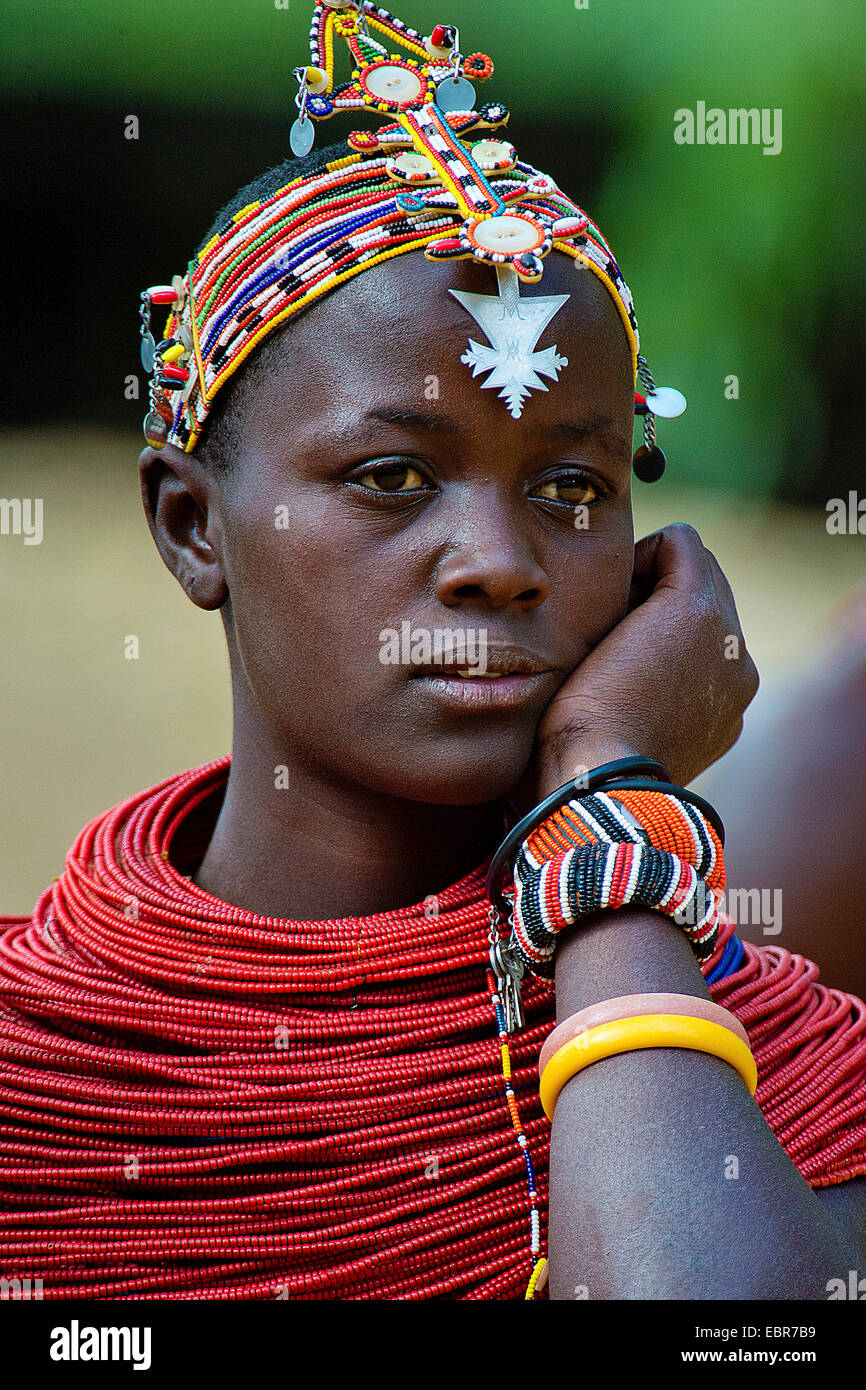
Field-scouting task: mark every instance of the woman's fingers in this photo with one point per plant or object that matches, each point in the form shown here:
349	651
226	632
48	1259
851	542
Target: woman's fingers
674	556
675	673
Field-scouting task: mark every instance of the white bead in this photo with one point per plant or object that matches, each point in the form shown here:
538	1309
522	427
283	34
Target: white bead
508	234
667	402
540	185
437	51
493	151
567	226
390	83
412	164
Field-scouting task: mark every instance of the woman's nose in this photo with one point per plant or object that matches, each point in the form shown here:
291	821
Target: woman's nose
491	563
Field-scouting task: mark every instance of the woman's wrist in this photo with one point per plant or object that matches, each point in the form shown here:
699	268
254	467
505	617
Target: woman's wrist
565	760
629	951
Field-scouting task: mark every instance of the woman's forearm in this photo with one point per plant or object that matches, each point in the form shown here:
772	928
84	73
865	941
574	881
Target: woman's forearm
665	1180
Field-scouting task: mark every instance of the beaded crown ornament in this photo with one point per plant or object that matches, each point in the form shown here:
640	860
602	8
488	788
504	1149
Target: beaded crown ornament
418	182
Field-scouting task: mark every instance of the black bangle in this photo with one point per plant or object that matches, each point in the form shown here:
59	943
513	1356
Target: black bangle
591	781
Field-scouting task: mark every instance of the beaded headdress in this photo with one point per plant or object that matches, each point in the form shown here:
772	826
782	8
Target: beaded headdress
431	177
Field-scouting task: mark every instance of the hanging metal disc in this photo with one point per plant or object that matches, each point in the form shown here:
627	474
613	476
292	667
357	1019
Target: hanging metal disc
666	401
147	351
302	137
455	94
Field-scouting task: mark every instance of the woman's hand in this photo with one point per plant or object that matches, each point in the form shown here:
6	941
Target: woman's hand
671	681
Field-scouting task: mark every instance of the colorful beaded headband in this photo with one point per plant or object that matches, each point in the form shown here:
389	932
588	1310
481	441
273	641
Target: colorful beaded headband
417	182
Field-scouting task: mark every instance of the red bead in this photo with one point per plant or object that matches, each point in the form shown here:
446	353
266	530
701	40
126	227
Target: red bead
282	1137
161	294
179	374
198	1102
441	38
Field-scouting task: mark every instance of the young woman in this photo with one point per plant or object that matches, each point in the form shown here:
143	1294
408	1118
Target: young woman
252	1042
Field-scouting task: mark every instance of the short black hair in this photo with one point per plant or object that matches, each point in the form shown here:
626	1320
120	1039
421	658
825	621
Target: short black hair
220	439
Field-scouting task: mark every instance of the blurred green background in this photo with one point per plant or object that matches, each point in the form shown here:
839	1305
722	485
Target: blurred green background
742	264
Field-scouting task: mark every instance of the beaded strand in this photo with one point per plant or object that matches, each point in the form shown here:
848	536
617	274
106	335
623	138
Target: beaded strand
192	1107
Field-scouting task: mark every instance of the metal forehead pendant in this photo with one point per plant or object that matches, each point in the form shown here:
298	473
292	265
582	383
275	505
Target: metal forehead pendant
513	326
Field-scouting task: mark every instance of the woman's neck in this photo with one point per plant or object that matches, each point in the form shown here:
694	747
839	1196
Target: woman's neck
305	847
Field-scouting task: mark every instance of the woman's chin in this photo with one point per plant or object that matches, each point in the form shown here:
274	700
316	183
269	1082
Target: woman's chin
471	780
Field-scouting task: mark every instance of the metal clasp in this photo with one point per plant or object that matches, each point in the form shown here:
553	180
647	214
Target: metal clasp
508	973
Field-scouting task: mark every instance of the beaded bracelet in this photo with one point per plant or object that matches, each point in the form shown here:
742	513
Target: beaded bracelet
648	1030
650	848
598	777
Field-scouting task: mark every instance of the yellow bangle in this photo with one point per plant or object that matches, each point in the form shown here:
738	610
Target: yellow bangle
648	1030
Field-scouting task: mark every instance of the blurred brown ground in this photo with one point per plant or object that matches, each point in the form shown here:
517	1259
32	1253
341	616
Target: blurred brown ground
83	727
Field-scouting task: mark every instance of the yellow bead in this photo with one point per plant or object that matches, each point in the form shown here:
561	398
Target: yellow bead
317	80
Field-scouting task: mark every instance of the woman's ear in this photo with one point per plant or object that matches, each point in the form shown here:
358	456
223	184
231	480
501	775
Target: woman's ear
179	497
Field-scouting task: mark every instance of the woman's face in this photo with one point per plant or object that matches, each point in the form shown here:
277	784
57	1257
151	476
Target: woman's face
380	488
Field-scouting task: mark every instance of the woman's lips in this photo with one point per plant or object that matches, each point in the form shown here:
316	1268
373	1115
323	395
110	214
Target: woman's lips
484	692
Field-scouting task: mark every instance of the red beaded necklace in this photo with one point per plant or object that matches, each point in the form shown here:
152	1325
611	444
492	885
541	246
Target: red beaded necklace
196	1101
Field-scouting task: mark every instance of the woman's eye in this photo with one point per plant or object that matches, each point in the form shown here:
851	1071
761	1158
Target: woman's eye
572	489
397	477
